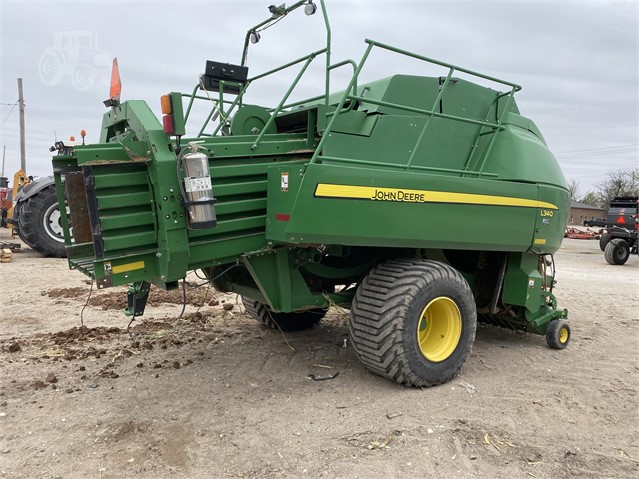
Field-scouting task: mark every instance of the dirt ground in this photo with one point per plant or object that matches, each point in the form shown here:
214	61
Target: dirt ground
216	395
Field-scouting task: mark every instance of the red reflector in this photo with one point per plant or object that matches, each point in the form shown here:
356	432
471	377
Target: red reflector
620	220
281	217
169	124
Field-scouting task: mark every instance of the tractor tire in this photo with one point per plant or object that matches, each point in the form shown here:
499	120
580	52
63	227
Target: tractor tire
604	239
413	321
50	68
617	251
17	210
39	224
558	334
295	321
82	77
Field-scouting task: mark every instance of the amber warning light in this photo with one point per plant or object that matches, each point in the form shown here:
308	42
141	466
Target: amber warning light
173	118
167	119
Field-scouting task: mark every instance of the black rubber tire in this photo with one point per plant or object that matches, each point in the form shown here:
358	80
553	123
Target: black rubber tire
617	251
387	312
558	334
17	210
604	239
35	224
295	321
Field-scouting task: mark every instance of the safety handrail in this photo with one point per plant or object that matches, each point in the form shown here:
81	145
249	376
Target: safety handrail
438	62
238	99
287	65
430	113
499	121
399	165
277	14
271	119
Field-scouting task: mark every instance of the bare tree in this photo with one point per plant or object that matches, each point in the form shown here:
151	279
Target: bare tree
622	182
573	189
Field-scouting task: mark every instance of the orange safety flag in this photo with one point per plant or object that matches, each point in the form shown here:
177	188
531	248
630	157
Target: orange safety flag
116	84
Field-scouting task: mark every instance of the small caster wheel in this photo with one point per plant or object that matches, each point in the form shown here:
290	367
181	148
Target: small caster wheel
558	334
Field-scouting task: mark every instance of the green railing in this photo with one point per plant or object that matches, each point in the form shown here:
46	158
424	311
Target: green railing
492	127
219	103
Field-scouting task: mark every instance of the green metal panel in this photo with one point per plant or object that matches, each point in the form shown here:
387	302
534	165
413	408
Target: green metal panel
551	224
413	91
401	138
123	200
132	239
532	161
128	178
223	250
281	199
523	281
240	188
391	141
466	223
239	206
127	220
290	292
240	224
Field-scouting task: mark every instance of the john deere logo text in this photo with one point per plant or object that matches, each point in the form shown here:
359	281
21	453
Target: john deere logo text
372	193
399	195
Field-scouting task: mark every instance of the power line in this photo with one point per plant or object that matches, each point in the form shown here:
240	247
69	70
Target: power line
10	111
599	151
602	148
31	153
594	154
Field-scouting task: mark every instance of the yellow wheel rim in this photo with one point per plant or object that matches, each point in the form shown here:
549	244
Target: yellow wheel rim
439	329
563	335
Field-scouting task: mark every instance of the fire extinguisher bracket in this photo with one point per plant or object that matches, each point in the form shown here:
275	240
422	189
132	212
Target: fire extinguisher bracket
211	201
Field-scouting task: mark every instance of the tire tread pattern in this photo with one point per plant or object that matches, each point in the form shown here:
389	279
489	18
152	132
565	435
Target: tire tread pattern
285	321
617	251
381	302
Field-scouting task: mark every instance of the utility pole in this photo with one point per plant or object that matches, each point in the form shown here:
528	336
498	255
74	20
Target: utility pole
23	156
4	152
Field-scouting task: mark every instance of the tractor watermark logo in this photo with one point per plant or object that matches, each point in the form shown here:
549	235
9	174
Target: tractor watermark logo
75	54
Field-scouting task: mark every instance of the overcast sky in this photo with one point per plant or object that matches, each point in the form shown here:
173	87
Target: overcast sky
577	62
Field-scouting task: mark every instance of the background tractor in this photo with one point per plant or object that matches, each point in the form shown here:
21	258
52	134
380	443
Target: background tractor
619	240
74	53
349	198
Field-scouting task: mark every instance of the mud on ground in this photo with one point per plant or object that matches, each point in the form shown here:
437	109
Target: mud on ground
214	394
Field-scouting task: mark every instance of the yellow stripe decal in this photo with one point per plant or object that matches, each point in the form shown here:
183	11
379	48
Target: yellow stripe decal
124	268
324	190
